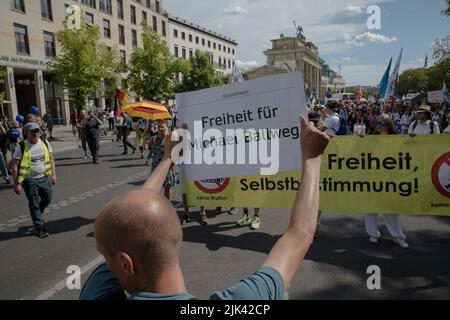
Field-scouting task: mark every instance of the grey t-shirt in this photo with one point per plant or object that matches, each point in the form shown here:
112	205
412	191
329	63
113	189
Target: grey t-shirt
37	157
265	284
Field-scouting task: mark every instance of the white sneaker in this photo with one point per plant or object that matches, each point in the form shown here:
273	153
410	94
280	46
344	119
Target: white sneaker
401	242
234	211
373	240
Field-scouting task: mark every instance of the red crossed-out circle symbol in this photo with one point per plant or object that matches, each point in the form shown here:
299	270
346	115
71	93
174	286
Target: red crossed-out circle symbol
212	186
440	175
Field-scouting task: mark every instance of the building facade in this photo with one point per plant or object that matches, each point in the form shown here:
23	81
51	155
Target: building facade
186	37
292	54
332	81
28	41
28	44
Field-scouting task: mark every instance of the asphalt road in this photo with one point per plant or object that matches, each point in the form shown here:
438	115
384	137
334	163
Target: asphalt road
214	256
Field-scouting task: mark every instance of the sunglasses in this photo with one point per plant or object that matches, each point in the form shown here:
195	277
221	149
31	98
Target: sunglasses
381	123
36	131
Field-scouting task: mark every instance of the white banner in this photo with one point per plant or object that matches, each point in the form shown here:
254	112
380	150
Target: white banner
435	96
262	110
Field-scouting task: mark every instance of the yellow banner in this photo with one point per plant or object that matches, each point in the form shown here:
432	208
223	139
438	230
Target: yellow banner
383	174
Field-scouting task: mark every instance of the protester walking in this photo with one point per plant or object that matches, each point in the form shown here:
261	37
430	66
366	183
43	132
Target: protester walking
126	130
92	129
385	126
34	172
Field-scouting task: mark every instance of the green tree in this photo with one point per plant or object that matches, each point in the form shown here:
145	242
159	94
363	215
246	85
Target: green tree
201	75
412	79
153	71
83	63
437	74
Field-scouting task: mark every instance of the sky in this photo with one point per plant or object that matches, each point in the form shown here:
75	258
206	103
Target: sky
338	27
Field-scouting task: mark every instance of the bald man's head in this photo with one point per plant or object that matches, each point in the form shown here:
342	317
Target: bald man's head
143	225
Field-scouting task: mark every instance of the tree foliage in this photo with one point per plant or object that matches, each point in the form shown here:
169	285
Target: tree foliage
421	79
83	63
153	71
201	74
412	79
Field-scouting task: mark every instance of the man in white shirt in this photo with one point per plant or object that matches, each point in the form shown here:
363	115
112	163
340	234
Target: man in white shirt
423	124
332	122
34	172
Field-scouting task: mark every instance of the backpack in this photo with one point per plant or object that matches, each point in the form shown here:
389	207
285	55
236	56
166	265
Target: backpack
342	127
431	126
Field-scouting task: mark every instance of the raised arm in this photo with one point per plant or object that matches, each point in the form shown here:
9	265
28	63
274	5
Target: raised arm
156	180
290	250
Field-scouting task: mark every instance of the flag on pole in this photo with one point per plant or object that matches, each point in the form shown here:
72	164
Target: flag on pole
426	61
392	84
236	75
121	102
384	81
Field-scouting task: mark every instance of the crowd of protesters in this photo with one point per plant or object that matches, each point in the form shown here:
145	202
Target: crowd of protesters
353	118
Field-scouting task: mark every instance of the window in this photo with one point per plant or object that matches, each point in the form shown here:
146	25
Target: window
175	51
46	9
21	36
203	42
123	57
196	40
220	61
233	52
134	37
133	14
105	6
191	54
106	29
89	18
90	3
225	63
190	38
183	53
49	44
233	63
220	47
209	44
229	51
224	49
157	6
149	5
144	16
183	36
229	64
175	33
155	24
163	23
121	34
18	5
214	45
120	9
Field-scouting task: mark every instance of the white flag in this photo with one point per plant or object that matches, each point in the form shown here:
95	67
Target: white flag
392	84
236	75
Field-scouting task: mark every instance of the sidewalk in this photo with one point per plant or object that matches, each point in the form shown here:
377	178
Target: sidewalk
65	140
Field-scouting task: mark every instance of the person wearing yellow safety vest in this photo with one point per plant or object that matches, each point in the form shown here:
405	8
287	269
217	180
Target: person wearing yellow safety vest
34	172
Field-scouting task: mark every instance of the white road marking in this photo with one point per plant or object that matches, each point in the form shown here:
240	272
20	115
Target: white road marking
74	199
62	284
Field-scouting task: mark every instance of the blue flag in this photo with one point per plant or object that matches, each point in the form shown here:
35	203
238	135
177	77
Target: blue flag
385	80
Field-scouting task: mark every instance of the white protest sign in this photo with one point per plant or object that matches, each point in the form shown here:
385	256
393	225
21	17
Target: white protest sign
435	96
244	128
